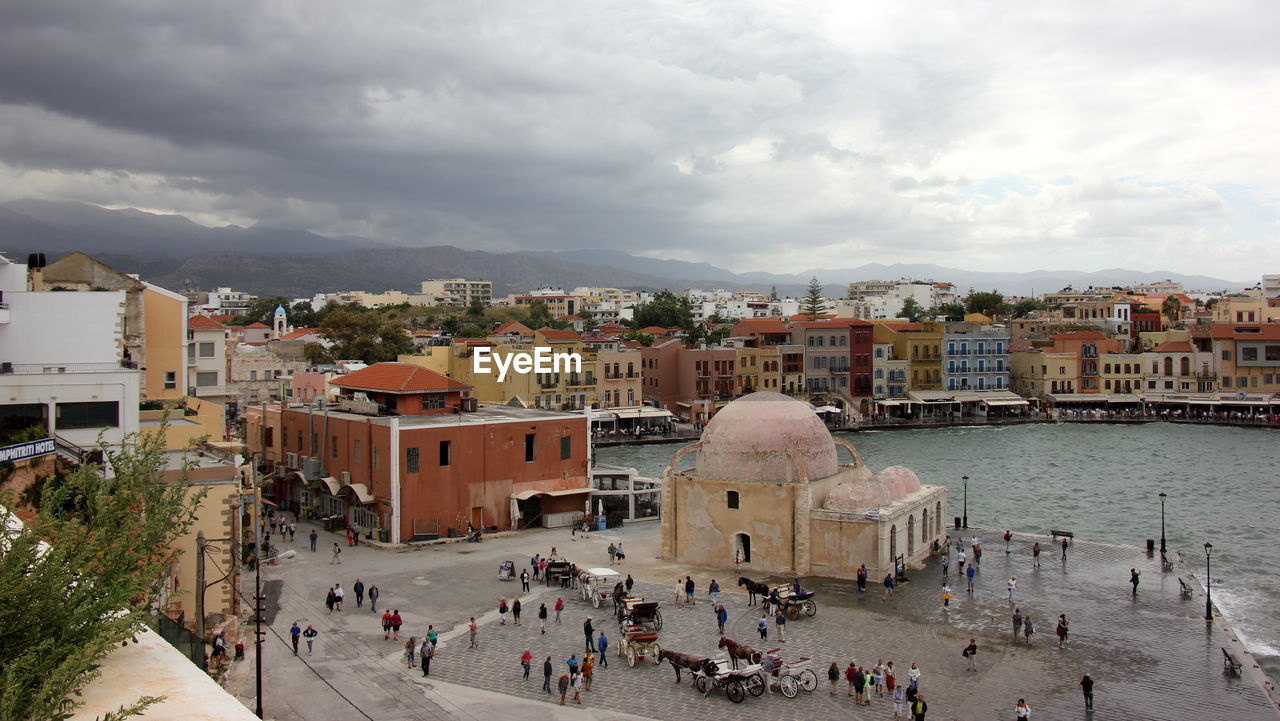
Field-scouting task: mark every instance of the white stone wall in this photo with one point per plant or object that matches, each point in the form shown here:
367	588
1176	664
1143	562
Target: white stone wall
63	327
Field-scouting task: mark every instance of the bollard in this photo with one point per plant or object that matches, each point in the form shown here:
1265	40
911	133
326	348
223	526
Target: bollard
1151	545
957	521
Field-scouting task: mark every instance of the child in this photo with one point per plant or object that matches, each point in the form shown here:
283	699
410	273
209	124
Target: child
946	595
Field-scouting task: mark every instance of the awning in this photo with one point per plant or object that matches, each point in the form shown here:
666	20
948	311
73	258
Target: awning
1005	402
332	484
1079	397
530	493
932	396
1124	398
827	409
686	405
361	492
893	403
642	413
603	416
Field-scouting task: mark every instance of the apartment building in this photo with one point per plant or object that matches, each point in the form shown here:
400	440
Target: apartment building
1247	356
207	358
619	378
1176	367
975	357
1121	372
466	291
889	373
758	369
1039	373
921	344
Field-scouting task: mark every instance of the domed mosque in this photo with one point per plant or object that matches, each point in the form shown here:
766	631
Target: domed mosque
768	488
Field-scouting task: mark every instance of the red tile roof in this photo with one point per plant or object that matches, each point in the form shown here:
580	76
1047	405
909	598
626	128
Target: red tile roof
398	378
202	322
258	325
806	316
654	330
1174	346
222	318
1246	331
632	344
762	325
553	334
513	327
570	318
299	333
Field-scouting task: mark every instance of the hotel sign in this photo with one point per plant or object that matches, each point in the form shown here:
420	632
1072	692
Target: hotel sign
23	451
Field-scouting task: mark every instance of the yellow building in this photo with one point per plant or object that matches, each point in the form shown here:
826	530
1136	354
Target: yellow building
164	375
919	343
757	369
1121	372
1037	374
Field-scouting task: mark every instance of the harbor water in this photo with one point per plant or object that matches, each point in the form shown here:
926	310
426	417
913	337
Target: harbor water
1101	481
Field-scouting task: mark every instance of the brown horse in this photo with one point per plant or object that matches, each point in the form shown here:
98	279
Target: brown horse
754	589
739	651
681	661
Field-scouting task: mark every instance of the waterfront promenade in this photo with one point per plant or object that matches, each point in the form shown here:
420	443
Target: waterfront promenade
1153	656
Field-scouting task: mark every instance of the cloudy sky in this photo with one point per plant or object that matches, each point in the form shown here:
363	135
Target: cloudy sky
758	136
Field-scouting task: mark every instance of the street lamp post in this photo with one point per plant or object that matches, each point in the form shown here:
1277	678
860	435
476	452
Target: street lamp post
965	520
1208	579
1163	547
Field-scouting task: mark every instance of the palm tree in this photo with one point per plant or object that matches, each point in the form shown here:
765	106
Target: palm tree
1171	309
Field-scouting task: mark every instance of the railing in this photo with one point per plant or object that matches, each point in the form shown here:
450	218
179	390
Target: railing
39	368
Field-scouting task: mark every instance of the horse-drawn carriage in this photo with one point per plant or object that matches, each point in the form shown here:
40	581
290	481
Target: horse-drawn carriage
793	604
598	584
792	677
639	643
634	610
736	682
558	571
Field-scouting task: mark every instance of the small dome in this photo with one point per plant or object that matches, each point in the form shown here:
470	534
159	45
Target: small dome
749	440
858	495
900	481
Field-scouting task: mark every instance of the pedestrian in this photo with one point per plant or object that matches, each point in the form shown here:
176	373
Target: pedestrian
1022	710
833	676
848	675
713	592
898	698
946	564
410	648
960	561
559	608
767	665
971	653
474	629
613	553
1013	588
890	680
542	618
919	708
1017	625
868	682
526	662
1035	555
688	590
330	599
862	578
780	623
888	586
602	643
515	611
295	631
1062	631
913	674
373	598
431	635
533	565
877	673
1008	542
293	528
502	611
630	582
946	595
1086	685
1027	628
588	670
396	622
547	669
386	625
722	617
338	596
564	686
576	680
239	651
314	537
620	553
969	574
589	632
336	552
310	634
427	652
349	541
977	554
573	532
359	589
1133	578
524	580
679	589
737	560
1064	548
763	627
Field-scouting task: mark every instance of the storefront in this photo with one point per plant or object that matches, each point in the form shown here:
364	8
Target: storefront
622	495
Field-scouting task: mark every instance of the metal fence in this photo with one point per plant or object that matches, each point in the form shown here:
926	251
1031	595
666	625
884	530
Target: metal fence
180	638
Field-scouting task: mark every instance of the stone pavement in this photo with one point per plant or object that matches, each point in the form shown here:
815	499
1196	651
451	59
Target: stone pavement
1152	657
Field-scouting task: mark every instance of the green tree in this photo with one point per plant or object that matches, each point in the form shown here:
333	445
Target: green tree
1171	308
954	309
814	304
365	336
912	310
316	354
773	293
717	336
261	310
986	303
539	316
643	339
1024	307
665	310
475	311
302	315
64	606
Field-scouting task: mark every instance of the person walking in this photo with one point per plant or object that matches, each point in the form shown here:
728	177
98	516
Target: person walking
946	564
722	617
763	627
977	554
563	683
386	625
559	608
502	611
337	551
688	590
293	528
890	680
474	630
359	589
515	611
576	680
1008	542
969	573
1017	625
542	618
396	622
1035	555
310	634
431	635
630	582
613	553
410	650
919	708
338	596
373	598
524	580
588	670
589	632
314	537
946	595
1013	588
862	578
427	652
295	631
602	643
898	698
971	653
1064	548
1062	631
849	674
960	561
888	586
1027	628
330	599
1133	578
713	592
833	676
526	662
620	554
1022	711
780	623
877	673
547	670
1086	685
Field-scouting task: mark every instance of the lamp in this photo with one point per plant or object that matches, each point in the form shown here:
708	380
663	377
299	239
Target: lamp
1208	589
965	520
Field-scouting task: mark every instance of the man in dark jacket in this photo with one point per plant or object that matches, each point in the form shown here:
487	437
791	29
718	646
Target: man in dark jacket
589	632
919	707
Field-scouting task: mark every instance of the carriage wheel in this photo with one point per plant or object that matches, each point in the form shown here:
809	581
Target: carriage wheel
810	608
657	620
595	600
754	684
735	691
793	613
700	683
790	686
631	656
808	680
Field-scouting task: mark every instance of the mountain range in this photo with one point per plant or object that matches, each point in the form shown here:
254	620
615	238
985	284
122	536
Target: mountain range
174	252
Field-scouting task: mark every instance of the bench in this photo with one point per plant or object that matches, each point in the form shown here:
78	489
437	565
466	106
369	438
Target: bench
1186	590
1229	663
1065	534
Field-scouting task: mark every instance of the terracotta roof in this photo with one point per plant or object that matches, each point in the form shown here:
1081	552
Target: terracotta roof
201	322
398	378
1174	346
513	326
222	318
654	330
632	344
570	318
1246	331
899	327
299	333
258	325
763	325
806	316
553	334
1080	335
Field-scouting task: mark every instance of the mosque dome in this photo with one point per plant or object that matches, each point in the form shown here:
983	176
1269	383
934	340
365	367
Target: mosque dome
749	440
873	490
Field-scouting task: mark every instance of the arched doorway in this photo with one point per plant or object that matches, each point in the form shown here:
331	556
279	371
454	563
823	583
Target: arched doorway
937	519
893	542
924	526
911	535
742	545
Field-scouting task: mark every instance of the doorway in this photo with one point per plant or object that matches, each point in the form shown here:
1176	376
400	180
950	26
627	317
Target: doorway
477	516
743	546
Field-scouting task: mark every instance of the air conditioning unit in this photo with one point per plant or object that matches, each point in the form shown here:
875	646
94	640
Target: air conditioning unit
470	405
291	460
346	478
312	469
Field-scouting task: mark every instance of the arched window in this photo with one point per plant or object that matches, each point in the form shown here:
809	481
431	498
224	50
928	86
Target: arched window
924	526
911	535
937	519
733	499
1184	366
893	542
1168	366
